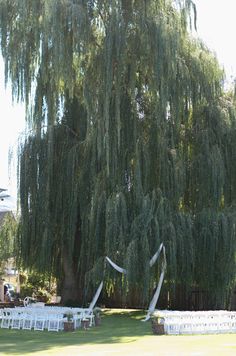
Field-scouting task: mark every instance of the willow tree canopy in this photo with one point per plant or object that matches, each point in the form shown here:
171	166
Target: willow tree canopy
131	142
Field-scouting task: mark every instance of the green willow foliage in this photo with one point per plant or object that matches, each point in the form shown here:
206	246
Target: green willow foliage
131	142
8	231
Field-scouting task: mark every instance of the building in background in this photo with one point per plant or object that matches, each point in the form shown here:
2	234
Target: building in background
9	273
7	202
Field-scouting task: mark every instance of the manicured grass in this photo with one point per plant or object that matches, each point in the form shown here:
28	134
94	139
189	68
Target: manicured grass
121	333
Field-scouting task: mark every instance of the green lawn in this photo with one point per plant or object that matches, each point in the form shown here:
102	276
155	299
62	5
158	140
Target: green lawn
121	333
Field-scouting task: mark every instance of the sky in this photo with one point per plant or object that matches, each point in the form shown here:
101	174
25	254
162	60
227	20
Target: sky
216	25
11	124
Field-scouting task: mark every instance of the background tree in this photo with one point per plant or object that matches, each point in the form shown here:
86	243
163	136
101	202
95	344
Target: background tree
8	230
131	143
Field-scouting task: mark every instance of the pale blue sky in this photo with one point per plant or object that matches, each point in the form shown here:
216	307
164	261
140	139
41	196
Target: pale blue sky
11	123
216	26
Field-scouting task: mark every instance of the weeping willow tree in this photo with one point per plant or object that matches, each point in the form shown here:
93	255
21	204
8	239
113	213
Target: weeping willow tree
131	142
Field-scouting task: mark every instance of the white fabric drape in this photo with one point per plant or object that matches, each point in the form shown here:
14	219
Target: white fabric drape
155	298
114	265
151	262
96	296
155	257
98	292
119	269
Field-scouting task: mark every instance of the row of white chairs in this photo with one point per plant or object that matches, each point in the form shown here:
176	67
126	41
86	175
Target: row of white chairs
208	322
43	319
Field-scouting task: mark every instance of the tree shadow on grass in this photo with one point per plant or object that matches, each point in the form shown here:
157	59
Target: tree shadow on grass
120	327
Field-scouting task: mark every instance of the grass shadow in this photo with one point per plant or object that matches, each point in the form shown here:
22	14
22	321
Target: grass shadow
117	327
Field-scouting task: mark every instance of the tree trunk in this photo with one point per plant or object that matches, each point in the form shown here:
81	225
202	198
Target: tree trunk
69	286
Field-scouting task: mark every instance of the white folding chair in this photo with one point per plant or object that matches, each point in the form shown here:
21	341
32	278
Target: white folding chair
185	326
77	319
172	325
54	322
224	326
6	318
39	322
88	314
16	319
28	321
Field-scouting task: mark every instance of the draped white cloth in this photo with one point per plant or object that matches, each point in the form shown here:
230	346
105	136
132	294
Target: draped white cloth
155	257
96	296
152	261
98	292
114	265
155	297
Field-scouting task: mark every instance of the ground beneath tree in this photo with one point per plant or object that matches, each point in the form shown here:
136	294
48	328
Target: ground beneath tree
122	333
